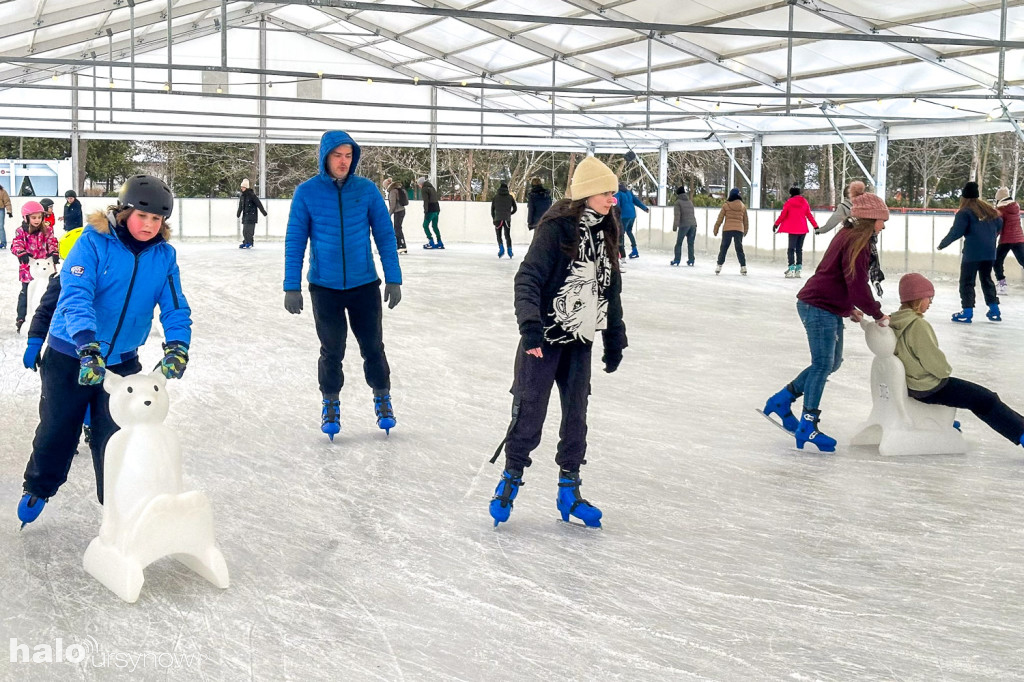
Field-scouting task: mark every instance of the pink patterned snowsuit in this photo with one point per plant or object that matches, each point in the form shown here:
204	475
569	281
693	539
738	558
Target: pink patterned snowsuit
36	246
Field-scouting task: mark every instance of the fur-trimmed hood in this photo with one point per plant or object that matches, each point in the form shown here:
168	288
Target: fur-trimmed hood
102	222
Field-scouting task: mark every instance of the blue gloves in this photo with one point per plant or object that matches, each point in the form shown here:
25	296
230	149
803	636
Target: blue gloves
92	367
32	352
175	359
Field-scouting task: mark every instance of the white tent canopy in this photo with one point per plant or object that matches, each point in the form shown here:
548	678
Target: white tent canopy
605	75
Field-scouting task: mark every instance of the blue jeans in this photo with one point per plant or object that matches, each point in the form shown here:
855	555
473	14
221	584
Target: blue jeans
3	235
825	337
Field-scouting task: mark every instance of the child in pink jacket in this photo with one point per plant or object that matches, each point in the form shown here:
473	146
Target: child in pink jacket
32	241
796	213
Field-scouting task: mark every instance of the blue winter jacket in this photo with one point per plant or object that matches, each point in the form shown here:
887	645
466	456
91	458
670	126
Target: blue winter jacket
628	203
108	294
337	224
979	236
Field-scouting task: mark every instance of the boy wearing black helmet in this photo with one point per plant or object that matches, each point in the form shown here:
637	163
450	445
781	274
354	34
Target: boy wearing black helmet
48	218
72	217
121	268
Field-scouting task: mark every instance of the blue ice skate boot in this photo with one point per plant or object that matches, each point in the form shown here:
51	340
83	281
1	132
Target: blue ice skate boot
808	432
385	414
504	494
510	252
571	503
501	250
331	417
674	263
633	253
956	425
993	313
964	316
430	244
439	245
781	404
30	508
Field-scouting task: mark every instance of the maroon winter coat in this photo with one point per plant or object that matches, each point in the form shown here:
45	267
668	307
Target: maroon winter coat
1011	234
832	288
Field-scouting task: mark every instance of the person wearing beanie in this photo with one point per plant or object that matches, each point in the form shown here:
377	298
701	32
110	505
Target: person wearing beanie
838	289
431	212
398	199
793	219
538	201
684	224
566	292
72	217
842	212
627	205
978	223
929	377
1011	238
248	205
503	207
733	221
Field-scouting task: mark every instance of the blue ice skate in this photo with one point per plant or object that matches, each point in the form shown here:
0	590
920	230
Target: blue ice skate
385	414
781	405
30	508
504	494
331	417
808	432
571	503
964	316
501	250
993	313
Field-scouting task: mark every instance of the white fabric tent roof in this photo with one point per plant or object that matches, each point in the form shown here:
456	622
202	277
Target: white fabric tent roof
555	74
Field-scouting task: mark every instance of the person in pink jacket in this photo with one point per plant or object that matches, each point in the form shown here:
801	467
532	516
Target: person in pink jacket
796	213
1010	239
33	240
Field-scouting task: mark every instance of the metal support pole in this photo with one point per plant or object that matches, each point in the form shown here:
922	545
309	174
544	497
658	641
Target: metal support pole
75	158
663	175
95	108
732	158
554	63
131	29
650	42
433	135
789	57
263	108
224	33
756	159
482	79
110	82
842	137
882	160
1002	50
170	43
732	178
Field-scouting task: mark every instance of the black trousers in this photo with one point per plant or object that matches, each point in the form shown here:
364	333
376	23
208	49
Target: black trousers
62	407
23	301
985	405
568	367
795	252
1001	251
364	316
500	228
248	230
732	237
398	218
689	234
981	269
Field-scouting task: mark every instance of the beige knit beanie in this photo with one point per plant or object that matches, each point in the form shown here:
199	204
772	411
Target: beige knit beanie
592	177
1002	193
245	183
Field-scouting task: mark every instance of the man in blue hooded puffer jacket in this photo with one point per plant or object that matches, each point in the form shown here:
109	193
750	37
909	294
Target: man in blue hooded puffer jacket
336	211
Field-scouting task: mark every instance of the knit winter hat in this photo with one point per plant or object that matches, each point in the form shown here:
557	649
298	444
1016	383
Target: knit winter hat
970	191
856	189
592	177
793	191
420	180
915	286
1002	193
734	194
869	206
245	183
680	190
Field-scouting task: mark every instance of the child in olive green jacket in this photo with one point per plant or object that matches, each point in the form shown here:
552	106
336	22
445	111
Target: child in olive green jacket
929	377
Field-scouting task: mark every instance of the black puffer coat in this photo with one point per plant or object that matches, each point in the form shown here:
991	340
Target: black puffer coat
248	205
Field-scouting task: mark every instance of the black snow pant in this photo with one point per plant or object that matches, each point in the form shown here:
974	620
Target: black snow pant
248	230
969	271
734	237
62	408
985	405
1001	251
500	228
23	301
795	252
398	217
689	234
568	367
364	315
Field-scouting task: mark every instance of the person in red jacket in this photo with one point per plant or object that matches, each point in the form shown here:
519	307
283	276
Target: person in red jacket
1010	239
793	219
839	288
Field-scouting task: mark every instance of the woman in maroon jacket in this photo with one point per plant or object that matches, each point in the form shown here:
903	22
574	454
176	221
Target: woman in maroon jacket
1010	239
793	219
839	288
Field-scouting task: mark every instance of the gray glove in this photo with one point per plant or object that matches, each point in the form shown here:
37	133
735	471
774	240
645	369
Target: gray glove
293	302
392	294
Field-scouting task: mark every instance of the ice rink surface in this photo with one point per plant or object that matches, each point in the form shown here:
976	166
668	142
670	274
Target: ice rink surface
725	553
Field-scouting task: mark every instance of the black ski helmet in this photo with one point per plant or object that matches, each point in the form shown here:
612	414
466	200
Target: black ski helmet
46	203
147	193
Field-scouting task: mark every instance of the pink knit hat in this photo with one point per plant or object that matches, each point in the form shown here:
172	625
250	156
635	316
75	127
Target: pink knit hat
869	206
915	286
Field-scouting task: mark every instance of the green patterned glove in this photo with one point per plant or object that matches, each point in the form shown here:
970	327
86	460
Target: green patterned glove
92	367
175	359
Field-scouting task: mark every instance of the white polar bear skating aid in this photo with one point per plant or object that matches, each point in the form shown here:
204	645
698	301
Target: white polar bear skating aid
41	269
146	514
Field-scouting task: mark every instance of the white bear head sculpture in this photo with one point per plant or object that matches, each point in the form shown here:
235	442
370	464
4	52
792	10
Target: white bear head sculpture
41	269
137	399
881	340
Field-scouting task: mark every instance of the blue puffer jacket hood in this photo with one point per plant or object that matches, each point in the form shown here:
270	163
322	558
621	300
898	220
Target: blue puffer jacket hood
329	141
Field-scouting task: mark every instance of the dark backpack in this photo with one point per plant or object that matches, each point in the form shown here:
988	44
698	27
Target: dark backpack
403	197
